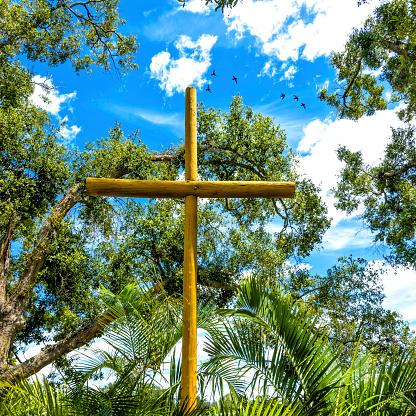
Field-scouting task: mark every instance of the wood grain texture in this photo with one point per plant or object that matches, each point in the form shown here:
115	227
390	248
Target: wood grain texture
180	189
189	328
191	171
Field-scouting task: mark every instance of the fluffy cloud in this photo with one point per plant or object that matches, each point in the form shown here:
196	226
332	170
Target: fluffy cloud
55	99
54	106
400	291
196	6
289	73
69	134
194	60
306	28
319	160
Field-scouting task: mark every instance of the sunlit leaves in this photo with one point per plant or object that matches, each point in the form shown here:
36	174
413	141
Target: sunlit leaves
386	42
84	33
386	192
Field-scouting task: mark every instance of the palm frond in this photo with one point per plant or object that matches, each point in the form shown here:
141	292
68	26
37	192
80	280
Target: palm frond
274	340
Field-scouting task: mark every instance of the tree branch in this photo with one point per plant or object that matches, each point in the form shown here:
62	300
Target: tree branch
261	172
350	84
5	255
51	353
45	236
393	173
393	46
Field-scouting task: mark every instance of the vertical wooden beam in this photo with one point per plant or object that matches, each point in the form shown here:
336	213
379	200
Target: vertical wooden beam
190	135
189	334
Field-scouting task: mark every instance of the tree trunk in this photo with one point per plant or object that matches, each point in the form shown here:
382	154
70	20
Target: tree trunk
13	309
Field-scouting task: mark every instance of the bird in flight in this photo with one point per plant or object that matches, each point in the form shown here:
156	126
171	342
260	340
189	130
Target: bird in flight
303	105
235	79
213	73
282	95
208	89
296	98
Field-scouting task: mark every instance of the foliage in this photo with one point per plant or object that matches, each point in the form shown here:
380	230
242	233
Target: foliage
84	33
268	351
232	233
271	342
57	243
349	298
383	192
287	357
386	193
385	43
117	242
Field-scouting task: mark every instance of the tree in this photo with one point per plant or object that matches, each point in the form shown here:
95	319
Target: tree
349	297
33	167
385	191
84	33
386	43
67	242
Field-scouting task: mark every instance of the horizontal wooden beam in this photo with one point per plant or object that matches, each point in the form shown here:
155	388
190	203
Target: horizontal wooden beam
180	189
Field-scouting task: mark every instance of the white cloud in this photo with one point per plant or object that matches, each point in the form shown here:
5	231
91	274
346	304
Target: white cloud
375	73
283	28
177	74
196	6
322	138
400	290
54	106
289	73
269	69
69	134
56	99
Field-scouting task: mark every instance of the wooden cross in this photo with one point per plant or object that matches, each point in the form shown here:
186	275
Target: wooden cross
190	189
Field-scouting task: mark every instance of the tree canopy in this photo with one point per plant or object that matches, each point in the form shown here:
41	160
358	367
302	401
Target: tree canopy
84	33
384	191
386	43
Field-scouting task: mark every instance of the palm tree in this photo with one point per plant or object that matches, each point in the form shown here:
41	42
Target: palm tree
268	346
145	330
144	333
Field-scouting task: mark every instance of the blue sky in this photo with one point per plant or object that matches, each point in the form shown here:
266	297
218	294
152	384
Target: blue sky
272	47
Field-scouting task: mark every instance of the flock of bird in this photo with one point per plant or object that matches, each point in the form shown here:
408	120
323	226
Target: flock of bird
295	98
235	79
214	74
